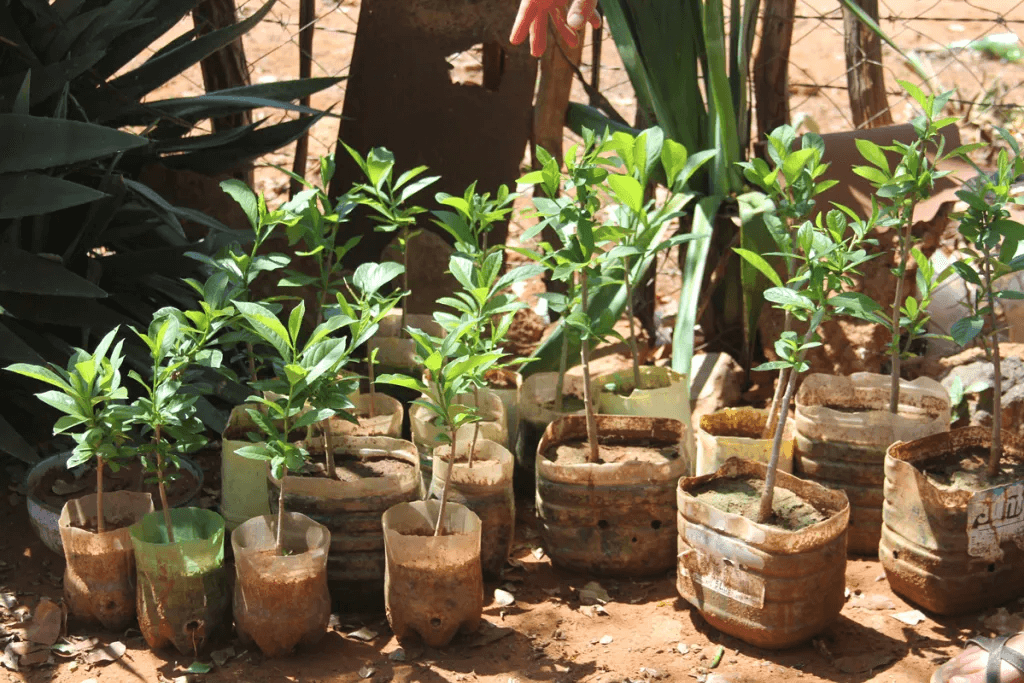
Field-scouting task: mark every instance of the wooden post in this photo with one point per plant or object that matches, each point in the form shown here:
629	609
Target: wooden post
771	66
864	76
556	73
307	19
225	68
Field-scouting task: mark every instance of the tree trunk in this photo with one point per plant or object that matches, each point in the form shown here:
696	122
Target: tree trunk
307	19
225	68
771	66
864	76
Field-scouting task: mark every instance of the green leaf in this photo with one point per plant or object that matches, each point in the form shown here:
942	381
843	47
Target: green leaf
628	191
784	296
873	154
245	198
32	142
266	326
965	330
34	194
762	266
968	273
693	276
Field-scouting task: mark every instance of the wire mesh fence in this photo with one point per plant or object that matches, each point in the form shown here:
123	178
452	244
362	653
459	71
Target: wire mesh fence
970	47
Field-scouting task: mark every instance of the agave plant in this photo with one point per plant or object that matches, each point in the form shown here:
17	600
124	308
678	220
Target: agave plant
88	246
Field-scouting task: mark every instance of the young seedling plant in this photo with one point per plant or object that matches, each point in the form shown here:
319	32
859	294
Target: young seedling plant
485	306
641	223
992	237
314	219
240	268
90	395
900	188
368	306
387	196
178	344
789	185
306	373
580	256
454	369
825	259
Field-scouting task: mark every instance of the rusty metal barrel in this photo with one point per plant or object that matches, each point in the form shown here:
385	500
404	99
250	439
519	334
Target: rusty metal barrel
767	586
843	427
927	532
610	519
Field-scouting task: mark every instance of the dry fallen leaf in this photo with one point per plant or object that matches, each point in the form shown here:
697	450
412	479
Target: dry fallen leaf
593	593
105	653
366	672
874	602
363	634
47	623
1004	622
911	618
863	663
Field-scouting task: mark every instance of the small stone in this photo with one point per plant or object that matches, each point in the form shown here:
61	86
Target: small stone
397	655
683	649
503	598
364	634
605	640
367	672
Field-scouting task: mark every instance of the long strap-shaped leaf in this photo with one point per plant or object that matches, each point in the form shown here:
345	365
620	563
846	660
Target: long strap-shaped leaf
34	142
162	68
693	277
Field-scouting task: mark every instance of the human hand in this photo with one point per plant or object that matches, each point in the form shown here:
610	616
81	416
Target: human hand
533	16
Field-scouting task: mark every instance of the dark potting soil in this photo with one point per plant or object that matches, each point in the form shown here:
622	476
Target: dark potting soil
965	470
743	497
353	468
58	486
570	404
111	524
577	452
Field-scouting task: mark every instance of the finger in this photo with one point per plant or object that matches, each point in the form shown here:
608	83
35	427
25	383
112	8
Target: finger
538	36
568	35
582	11
526	16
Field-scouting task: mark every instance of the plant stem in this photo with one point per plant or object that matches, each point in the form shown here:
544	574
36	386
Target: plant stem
329	448
769	424
476	426
160	485
438	526
634	352
997	374
585	358
252	360
373	393
901	269
765	511
101	523
563	360
405	278
279	538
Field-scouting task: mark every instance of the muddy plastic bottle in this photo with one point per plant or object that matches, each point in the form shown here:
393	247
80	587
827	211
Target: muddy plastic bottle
433	585
99	577
183	596
281	601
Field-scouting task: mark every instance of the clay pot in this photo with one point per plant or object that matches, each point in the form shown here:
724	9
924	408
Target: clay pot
662	393
767	586
281	601
183	597
842	430
351	512
939	547
486	489
433	585
99	577
736	433
611	519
